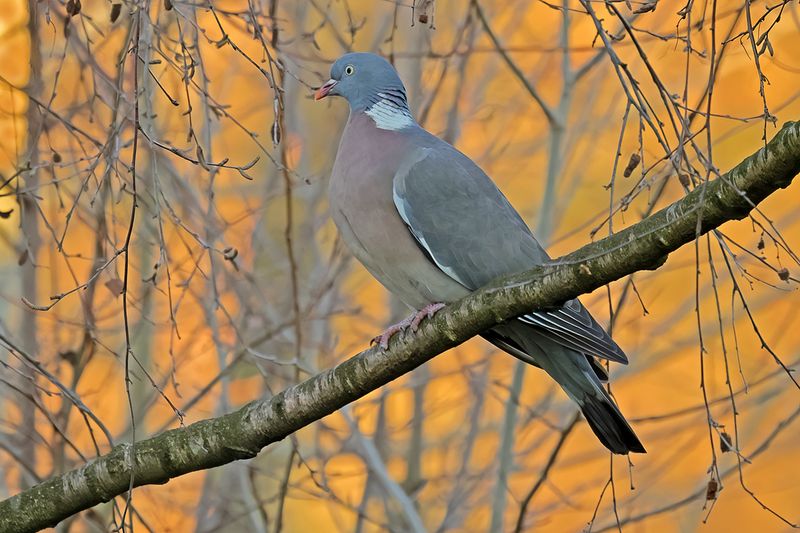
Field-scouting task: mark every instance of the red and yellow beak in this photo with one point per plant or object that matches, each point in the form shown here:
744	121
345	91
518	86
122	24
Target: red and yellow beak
323	91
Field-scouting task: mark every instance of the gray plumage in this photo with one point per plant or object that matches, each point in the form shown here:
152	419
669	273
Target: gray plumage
431	226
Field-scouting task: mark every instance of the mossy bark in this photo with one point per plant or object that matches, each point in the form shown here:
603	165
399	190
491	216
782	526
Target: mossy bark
242	434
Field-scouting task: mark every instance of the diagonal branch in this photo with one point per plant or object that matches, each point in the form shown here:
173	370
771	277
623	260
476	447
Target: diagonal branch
242	434
548	112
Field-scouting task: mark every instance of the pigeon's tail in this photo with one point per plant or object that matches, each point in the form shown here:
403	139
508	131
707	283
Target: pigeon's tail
581	378
609	425
580	381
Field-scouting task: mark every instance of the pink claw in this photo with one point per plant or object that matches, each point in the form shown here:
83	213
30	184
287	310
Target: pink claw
426	312
412	322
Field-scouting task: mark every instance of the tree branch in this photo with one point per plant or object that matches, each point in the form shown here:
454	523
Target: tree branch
242	434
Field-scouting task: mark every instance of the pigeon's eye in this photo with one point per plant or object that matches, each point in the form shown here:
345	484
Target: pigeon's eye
349	70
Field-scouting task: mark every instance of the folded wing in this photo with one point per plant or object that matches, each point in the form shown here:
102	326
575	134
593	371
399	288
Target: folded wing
468	228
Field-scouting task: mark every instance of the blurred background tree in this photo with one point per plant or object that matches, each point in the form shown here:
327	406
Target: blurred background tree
225	281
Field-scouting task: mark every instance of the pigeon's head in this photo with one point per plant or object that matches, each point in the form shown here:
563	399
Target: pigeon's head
364	80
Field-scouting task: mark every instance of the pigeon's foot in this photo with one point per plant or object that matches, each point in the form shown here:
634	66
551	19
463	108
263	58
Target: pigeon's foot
412	322
382	340
426	312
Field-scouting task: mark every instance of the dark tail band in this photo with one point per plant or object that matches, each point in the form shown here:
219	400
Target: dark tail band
610	426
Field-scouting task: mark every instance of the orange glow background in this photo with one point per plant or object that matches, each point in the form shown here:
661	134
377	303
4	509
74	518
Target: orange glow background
202	314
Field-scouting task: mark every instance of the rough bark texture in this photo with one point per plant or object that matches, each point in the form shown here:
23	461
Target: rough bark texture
242	434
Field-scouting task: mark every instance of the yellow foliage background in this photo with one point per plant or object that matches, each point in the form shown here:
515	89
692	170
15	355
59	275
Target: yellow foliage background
214	332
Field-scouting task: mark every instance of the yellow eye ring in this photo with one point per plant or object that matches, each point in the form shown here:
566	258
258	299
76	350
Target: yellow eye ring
349	70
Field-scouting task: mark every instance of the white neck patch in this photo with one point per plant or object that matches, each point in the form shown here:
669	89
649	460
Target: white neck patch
388	116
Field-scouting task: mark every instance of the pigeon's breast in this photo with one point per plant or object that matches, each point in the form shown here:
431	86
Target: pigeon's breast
363	209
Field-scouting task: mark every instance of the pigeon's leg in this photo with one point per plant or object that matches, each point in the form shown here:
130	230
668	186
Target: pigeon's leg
411	322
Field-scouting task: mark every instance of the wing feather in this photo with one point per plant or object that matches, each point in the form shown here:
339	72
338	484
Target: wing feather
473	234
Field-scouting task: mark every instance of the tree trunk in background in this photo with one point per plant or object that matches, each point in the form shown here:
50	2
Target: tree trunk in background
29	246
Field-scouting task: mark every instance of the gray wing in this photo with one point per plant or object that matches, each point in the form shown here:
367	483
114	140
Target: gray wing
472	233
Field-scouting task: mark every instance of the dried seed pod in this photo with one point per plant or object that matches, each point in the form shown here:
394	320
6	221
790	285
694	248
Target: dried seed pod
73	7
712	489
725	442
230	253
632	164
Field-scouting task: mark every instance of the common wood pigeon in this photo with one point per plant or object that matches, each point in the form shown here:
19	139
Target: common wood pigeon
431	227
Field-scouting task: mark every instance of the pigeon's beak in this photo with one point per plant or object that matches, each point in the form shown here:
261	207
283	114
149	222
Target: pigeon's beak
323	91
